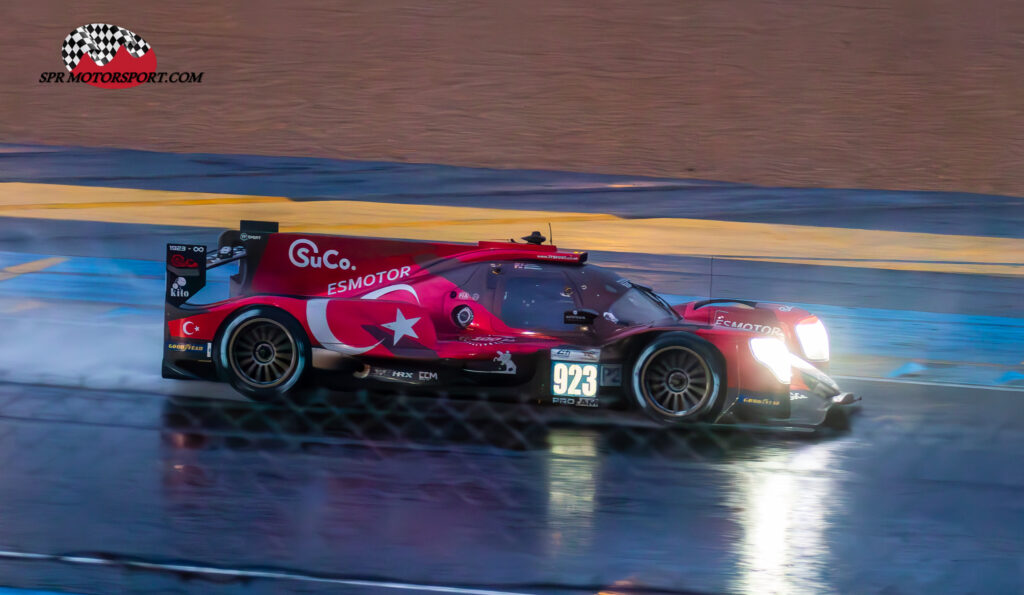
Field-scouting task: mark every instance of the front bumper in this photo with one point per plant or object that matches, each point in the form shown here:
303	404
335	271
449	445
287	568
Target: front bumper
814	400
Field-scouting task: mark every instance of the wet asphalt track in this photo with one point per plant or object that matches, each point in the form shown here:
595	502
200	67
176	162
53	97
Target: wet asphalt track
922	494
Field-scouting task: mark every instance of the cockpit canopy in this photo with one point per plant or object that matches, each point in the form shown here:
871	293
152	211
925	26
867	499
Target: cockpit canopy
536	295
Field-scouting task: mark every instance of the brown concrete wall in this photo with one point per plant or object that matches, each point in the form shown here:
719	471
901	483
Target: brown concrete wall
921	94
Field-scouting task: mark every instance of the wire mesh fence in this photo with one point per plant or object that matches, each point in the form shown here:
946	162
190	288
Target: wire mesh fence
297	484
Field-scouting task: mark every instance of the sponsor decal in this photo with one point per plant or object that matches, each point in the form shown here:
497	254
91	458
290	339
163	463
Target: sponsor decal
305	253
183	347
368	280
527	266
392	375
505	363
765	329
559	257
504	359
486	340
763	401
183	262
111	57
250	236
182	265
785	308
611	375
402	327
192	349
574	401
186	272
178	288
576	355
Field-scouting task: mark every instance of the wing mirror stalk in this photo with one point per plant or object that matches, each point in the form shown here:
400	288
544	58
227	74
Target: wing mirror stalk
580	317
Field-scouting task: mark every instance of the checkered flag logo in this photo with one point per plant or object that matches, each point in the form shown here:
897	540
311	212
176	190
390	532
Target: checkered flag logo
101	42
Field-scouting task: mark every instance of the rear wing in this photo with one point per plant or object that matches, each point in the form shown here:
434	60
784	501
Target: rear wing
187	264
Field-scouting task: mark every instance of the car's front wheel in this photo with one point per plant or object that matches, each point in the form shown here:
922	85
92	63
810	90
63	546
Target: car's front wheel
678	377
263	353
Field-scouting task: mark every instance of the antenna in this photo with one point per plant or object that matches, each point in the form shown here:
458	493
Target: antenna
551	235
711	286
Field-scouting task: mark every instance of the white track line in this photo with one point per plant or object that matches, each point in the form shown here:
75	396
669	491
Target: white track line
1016	389
250	574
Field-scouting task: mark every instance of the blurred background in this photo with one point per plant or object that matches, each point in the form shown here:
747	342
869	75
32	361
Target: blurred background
899	95
859	160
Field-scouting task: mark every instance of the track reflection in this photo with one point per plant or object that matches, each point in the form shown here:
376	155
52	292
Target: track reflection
785	501
446	487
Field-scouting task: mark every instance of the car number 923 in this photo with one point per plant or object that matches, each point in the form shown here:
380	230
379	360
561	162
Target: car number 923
574	380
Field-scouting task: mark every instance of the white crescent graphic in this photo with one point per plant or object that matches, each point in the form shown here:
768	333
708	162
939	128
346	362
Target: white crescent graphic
185	326
316	317
386	290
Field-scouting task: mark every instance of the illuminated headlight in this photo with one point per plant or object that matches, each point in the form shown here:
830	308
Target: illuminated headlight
774	355
813	339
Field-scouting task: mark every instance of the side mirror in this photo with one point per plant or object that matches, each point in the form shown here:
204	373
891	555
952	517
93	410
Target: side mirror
493	276
580	317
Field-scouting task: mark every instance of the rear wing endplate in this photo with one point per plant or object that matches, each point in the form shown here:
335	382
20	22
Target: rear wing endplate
186	272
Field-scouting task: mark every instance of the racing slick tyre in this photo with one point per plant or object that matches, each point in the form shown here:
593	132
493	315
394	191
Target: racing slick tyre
262	353
678	377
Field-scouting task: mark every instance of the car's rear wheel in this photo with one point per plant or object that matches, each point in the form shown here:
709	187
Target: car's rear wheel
677	377
263	353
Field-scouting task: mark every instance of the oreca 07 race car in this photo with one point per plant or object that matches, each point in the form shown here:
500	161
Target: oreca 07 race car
494	320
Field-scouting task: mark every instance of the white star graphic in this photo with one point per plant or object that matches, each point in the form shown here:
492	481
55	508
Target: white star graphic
402	326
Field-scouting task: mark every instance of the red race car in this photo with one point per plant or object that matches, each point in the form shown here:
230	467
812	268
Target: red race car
494	320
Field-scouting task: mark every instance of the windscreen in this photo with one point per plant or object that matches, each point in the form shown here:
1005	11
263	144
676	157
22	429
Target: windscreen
616	299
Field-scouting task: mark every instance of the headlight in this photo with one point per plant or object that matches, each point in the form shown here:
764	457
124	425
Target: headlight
773	354
813	339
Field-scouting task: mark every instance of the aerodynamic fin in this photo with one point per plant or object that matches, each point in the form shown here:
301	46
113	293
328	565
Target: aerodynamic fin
186	272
